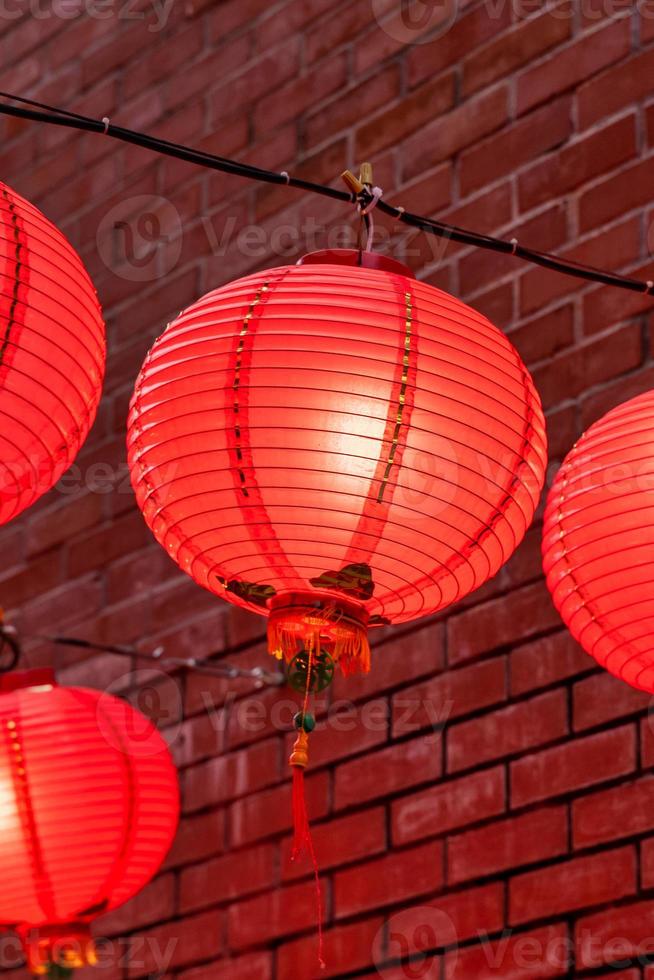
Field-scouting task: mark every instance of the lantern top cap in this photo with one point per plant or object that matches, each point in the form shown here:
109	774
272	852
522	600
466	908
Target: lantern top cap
19	679
354	257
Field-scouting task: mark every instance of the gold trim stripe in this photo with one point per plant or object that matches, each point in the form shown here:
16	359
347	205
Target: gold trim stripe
402	399
237	380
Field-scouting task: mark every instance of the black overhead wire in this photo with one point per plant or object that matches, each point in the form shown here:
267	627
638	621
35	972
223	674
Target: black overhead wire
11	644
40	112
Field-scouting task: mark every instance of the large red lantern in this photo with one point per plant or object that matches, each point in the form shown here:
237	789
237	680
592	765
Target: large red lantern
52	352
336	445
598	541
89	806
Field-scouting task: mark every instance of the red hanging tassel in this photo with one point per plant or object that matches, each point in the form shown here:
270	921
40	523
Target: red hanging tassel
302	840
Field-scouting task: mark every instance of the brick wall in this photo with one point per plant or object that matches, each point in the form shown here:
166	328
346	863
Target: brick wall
485	787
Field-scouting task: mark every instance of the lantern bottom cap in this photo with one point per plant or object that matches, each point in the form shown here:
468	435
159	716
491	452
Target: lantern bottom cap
51	949
320	623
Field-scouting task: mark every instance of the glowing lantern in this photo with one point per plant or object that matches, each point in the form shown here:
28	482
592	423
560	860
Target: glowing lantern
337	446
598	541
52	352
88	809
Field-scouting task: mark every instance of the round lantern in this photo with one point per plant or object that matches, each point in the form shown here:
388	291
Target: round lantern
88	809
598	541
336	445
52	352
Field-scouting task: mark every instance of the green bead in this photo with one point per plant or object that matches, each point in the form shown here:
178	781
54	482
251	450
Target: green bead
305	722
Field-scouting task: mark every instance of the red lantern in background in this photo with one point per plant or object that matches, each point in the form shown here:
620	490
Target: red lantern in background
52	352
598	541
89	806
336	445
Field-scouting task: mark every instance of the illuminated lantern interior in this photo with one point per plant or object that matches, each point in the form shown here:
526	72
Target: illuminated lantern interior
336	446
52	354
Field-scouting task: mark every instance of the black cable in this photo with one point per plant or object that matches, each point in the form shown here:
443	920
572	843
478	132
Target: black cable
10	651
40	112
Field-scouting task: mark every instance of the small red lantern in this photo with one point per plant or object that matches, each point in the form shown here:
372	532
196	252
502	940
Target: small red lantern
52	352
336	445
89	806
598	542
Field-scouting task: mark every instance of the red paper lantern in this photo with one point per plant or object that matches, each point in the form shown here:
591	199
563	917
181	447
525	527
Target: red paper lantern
337	446
88	809
52	352
598	541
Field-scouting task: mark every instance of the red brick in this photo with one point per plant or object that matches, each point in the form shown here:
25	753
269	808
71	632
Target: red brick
448	806
588	157
516	956
603	698
513	49
348	730
389	880
647	863
571	372
575	64
398	659
573	766
339	842
615	195
400	120
601	310
613	813
226	878
509	843
227	776
549	228
350	948
198	837
278	913
176	944
614	248
471	29
474	911
388	771
516	145
582	882
300	94
617	934
268	813
435	703
614	89
545	661
499	623
514	729
256	966
343	111
452	132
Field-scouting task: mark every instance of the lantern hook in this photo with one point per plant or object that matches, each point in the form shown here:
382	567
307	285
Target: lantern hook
366	196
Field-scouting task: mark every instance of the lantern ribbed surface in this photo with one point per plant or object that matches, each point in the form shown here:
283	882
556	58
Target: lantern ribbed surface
333	430
88	803
52	353
598	541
